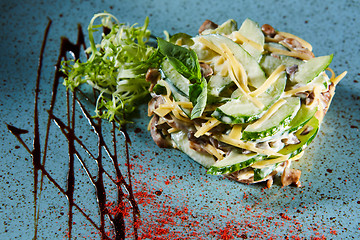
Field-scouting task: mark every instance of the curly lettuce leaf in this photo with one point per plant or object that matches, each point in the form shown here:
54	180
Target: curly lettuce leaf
116	67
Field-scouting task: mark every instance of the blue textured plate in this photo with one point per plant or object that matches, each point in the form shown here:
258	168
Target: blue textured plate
176	199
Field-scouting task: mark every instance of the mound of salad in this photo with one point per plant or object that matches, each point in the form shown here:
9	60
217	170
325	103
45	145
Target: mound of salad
244	102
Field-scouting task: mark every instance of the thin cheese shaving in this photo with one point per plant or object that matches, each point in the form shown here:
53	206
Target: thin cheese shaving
338	78
271	79
305	88
269	39
210	45
225	70
162	110
172	130
207	127
316	101
238	36
185	104
287	53
254	100
269	113
237	67
300	40
178	114
213	151
247	145
235	132
332	74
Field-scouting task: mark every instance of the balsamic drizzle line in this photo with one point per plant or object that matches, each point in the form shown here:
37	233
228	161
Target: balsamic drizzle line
69	132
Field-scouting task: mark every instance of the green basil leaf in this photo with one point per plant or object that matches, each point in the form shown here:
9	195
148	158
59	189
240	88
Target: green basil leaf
185	61
198	96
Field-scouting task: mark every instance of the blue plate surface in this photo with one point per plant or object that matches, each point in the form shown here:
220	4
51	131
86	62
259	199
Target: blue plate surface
175	196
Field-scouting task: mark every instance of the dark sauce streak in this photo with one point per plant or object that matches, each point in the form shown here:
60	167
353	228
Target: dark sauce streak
36	152
68	130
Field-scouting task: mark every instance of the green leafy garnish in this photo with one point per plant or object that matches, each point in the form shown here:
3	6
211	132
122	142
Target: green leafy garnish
198	96
185	61
116	68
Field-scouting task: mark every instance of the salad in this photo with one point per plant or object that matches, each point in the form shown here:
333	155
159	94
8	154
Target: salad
243	102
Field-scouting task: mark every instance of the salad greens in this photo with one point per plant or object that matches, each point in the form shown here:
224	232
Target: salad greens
116	68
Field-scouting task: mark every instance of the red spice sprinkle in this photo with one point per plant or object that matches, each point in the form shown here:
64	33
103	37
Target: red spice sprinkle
282	215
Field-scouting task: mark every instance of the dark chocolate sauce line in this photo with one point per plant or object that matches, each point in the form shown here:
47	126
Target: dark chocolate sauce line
68	130
65	46
36	152
118	221
17	132
70	183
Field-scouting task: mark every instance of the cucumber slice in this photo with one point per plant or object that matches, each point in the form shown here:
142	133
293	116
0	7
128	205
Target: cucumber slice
182	143
270	63
261	173
311	69
305	139
256	75
242	110
293	149
178	84
217	84
302	117
179	81
184	38
226	28
252	31
233	162
275	123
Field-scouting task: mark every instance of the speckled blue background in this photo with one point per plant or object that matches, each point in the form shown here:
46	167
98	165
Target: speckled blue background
330	196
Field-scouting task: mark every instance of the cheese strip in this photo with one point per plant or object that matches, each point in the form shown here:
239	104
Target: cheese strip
266	163
163	109
332	74
235	132
213	151
185	104
172	130
300	40
338	78
316	101
271	79
269	113
212	46
254	100
243	39
207	127
237	67
305	88
287	53
247	145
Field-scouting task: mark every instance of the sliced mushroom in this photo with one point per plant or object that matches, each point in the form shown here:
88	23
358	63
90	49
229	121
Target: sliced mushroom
268	30
207	24
206	70
310	98
152	76
291	176
292	139
154	103
161	140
